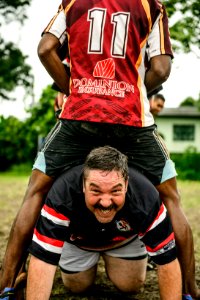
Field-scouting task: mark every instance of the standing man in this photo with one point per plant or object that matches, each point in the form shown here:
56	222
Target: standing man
102	208
107	105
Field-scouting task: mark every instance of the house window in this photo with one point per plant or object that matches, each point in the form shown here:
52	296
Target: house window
183	132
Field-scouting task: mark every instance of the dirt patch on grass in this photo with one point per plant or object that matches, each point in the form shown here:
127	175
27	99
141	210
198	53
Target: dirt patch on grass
11	194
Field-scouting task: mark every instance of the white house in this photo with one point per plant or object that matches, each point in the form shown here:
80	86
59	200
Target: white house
180	128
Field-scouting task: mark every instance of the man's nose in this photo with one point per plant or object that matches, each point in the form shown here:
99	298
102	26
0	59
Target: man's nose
105	201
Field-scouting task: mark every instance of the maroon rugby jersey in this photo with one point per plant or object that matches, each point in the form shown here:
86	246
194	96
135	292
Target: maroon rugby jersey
108	41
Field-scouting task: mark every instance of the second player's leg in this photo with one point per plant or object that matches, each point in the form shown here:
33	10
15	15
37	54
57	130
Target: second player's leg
183	234
22	228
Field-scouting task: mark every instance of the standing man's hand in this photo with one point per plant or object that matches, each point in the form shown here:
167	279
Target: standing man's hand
8	294
195	293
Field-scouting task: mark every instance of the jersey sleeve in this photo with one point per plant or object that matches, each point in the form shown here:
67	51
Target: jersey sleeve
57	25
159	38
159	238
49	234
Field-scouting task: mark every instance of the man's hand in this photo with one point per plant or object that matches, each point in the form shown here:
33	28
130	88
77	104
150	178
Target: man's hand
186	297
195	293
8	294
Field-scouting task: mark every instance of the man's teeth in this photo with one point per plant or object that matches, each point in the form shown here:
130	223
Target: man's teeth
105	210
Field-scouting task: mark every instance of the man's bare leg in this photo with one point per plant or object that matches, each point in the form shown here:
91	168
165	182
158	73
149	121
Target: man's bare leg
183	235
22	228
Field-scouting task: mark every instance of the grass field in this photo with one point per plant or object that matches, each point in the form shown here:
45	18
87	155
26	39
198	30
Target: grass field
12	189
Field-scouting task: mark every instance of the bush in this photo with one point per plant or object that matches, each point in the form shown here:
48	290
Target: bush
18	142
187	164
21	169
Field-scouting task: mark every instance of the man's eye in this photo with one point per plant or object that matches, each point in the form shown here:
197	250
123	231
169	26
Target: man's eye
95	191
116	191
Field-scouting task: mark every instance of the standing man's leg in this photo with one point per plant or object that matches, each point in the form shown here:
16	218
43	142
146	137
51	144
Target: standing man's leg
183	235
22	228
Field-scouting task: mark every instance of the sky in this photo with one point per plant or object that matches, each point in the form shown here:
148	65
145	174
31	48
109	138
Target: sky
184	80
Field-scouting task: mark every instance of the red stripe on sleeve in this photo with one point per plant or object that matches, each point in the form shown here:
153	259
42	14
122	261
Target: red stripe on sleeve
161	245
48	240
52	212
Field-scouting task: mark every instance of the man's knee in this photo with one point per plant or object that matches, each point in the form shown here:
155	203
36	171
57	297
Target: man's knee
132	285
127	275
79	282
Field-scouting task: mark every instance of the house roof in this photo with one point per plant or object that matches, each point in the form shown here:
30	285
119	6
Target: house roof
183	111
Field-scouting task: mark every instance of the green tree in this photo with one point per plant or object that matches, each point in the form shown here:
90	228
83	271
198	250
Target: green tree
186	29
14	10
42	117
189	101
14	70
19	139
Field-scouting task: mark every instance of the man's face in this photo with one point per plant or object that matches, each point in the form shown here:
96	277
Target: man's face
156	106
104	193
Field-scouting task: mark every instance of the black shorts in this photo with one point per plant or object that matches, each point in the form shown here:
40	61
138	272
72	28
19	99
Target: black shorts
70	141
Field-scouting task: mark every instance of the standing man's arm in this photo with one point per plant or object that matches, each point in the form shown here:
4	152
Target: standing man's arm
48	54
169	280
158	53
158	73
40	279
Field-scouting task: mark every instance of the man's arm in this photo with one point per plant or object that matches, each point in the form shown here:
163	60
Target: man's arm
169	279
40	279
158	73
158	52
48	50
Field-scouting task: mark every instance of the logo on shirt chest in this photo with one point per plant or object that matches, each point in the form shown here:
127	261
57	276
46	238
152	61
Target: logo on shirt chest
123	225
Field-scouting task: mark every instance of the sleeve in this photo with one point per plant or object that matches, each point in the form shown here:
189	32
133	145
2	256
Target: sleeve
159	238
49	234
159	38
57	25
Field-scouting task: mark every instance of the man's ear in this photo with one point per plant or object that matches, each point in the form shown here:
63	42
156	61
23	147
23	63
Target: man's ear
126	185
83	186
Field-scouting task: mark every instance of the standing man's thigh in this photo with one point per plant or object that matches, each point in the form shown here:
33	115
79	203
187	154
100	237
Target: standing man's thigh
147	152
67	145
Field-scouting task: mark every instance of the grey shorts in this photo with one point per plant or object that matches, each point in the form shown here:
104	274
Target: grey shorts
74	259
70	141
